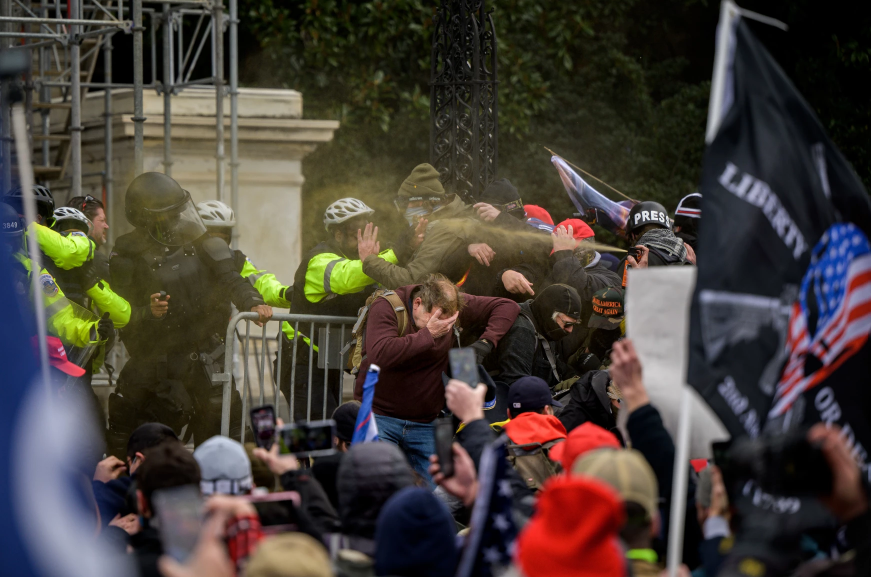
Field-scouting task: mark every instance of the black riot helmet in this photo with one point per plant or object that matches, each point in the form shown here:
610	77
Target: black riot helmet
557	298
11	228
645	213
151	191
43	197
157	203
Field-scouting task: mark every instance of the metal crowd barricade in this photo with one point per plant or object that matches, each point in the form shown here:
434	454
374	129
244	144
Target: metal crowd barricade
325	344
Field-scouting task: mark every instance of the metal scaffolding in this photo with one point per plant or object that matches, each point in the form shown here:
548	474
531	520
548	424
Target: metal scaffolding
66	40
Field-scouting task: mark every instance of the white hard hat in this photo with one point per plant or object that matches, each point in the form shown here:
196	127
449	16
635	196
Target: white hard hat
67	213
216	214
345	209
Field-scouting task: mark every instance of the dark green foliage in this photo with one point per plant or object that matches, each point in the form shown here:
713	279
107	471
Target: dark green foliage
619	87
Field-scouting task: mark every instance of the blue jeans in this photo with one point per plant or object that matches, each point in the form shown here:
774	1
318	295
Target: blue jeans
417	441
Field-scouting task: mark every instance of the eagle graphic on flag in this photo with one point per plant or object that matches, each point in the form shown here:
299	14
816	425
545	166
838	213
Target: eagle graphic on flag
831	320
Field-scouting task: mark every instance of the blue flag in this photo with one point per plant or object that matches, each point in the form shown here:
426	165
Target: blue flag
490	543
47	527
366	429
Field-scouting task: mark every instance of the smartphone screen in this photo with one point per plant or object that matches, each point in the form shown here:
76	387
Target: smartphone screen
307	439
277	511
444	437
464	367
263	423
179	515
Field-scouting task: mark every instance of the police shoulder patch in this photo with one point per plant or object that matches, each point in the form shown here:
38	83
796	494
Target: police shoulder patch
49	287
78	233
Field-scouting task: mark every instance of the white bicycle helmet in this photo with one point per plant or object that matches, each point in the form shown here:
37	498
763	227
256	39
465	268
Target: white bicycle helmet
345	209
66	213
216	214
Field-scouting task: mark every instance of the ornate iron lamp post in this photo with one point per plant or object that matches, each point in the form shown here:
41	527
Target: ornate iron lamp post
463	98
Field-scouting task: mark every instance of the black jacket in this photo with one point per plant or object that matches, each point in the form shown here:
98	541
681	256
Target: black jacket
588	401
648	436
519	353
316	515
370	473
518	247
147	548
326	471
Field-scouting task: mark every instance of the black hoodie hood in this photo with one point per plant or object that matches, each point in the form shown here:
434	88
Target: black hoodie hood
557	298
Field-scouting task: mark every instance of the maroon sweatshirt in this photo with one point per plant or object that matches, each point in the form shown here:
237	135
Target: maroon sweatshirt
410	386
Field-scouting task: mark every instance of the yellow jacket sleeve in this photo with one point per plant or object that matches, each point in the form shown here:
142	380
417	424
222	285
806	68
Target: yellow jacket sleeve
108	301
329	273
66	320
266	284
67	252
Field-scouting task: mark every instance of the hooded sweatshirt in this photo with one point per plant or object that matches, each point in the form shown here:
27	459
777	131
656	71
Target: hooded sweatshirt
369	475
534	428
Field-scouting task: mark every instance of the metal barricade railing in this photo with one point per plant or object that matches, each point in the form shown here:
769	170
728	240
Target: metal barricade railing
325	337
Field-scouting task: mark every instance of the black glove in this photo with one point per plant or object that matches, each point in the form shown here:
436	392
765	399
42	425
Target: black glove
482	348
88	275
106	329
584	362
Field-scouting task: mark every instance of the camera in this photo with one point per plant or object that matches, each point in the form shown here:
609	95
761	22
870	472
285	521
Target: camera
783	464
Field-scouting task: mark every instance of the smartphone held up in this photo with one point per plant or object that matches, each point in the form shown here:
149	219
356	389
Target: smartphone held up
464	366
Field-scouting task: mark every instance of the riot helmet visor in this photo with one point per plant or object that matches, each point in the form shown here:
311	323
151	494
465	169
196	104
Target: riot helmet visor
175	225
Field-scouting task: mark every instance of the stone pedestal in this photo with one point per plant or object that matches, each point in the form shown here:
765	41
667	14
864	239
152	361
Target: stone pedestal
273	140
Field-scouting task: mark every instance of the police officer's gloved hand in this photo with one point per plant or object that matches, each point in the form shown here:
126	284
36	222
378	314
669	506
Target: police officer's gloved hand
482	348
106	330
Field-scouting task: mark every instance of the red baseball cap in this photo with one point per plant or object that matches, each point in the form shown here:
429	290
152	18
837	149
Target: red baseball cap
533	211
580	440
580	229
57	357
554	543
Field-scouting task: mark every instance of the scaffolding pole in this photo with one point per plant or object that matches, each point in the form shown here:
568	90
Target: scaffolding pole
108	177
167	91
5	118
138	113
218	40
234	116
75	101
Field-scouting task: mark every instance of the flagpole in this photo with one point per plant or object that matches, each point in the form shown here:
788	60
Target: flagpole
25	171
728	12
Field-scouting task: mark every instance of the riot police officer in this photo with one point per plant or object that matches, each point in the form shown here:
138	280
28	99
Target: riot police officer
180	282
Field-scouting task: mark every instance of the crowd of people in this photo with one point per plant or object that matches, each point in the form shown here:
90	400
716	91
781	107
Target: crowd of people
538	301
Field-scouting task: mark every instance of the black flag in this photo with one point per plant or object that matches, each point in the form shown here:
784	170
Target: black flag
782	307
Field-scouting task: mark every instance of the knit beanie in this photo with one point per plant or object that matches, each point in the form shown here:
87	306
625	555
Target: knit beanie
345	416
416	536
577	545
423	182
500	191
583	439
533	211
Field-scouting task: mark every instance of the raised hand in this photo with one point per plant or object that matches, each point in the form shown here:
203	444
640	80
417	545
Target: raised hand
367	241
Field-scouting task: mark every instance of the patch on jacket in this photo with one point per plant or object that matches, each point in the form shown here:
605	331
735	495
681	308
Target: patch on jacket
49	287
78	233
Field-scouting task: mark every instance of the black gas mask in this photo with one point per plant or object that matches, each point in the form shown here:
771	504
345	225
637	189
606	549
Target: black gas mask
557	298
